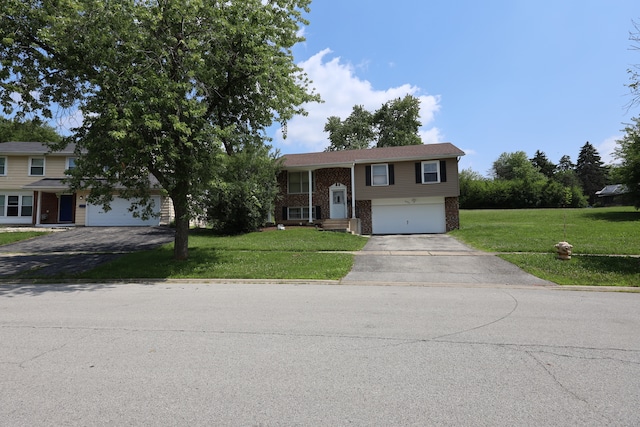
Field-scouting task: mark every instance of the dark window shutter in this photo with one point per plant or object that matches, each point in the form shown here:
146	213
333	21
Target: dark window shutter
418	173
443	171
368	176
284	213
318	213
391	175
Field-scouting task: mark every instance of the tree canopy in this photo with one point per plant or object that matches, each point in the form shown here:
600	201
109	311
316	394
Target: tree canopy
165	86
395	123
628	152
27	130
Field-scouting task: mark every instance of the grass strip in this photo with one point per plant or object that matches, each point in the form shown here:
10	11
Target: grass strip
16	236
585	270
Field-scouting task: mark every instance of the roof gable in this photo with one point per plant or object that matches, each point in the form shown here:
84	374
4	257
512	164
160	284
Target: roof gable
371	155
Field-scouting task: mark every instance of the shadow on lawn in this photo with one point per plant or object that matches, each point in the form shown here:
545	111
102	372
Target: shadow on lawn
615	264
613	216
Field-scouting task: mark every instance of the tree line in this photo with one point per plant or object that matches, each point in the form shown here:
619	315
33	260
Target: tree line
521	182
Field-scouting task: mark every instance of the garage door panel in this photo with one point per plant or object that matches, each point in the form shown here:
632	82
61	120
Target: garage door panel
119	214
408	219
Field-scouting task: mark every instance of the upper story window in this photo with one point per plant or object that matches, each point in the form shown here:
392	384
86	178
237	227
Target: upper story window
71	163
3	166
380	174
433	172
299	182
36	166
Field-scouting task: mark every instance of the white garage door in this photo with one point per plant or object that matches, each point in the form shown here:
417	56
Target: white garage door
119	214
408	217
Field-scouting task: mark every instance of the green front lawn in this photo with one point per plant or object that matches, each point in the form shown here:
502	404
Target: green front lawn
295	253
16	236
529	235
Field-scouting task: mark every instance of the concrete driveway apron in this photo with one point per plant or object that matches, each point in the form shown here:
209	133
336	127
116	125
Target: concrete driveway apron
78	249
436	259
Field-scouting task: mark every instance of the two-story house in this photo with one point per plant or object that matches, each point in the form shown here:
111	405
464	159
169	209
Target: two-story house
32	192
390	190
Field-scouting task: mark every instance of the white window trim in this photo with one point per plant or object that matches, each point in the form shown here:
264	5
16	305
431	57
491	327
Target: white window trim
437	163
6	162
44	165
20	205
66	163
386	168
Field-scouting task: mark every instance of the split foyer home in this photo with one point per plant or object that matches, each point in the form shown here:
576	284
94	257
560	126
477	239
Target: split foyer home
390	190
32	192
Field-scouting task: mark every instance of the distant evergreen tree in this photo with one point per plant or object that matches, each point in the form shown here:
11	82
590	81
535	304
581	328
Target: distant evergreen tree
590	171
543	164
565	164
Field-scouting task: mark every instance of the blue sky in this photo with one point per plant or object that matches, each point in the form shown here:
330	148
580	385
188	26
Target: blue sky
493	76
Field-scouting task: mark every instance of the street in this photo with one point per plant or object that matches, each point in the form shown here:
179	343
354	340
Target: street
284	354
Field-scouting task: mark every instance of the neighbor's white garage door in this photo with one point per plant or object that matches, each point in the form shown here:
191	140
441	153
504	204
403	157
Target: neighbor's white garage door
119	214
413	216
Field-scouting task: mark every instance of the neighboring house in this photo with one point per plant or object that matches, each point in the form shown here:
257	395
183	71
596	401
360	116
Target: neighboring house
390	190
32	192
612	194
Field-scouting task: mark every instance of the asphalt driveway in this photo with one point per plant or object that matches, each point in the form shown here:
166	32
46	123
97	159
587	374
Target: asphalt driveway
78	249
436	259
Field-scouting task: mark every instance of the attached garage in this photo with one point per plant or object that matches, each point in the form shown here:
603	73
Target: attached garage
119	215
411	216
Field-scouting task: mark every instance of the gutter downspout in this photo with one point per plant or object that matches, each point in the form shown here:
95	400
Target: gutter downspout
310	198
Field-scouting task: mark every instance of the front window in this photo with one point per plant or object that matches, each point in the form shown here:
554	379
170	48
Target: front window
12	205
299	182
301	213
16	205
430	172
36	166
379	175
3	166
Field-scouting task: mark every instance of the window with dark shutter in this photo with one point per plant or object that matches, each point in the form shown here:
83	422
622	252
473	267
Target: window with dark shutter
391	175
367	173
418	173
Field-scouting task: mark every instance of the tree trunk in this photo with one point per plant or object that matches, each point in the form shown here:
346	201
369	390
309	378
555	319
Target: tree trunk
181	242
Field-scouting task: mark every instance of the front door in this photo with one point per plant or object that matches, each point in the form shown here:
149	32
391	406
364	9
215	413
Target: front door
338	203
66	208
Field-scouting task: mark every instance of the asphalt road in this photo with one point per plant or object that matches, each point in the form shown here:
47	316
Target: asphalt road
310	355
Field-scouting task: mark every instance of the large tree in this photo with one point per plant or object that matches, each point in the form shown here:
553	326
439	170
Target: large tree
395	123
27	130
398	121
628	152
590	171
353	133
516	165
164	86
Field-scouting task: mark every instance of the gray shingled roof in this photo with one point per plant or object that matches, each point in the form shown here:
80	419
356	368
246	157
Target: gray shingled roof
31	148
385	154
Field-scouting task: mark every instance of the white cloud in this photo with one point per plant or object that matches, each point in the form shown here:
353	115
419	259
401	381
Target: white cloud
341	89
606	148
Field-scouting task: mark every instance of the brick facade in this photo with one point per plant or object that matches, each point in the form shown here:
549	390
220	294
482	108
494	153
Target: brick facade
363	210
324	178
452	213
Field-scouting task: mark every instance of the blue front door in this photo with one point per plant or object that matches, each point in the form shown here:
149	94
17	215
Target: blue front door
66	208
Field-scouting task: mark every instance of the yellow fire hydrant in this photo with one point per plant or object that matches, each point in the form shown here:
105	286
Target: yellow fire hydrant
564	250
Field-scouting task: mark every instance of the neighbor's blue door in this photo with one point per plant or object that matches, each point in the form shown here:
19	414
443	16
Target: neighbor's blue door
66	208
